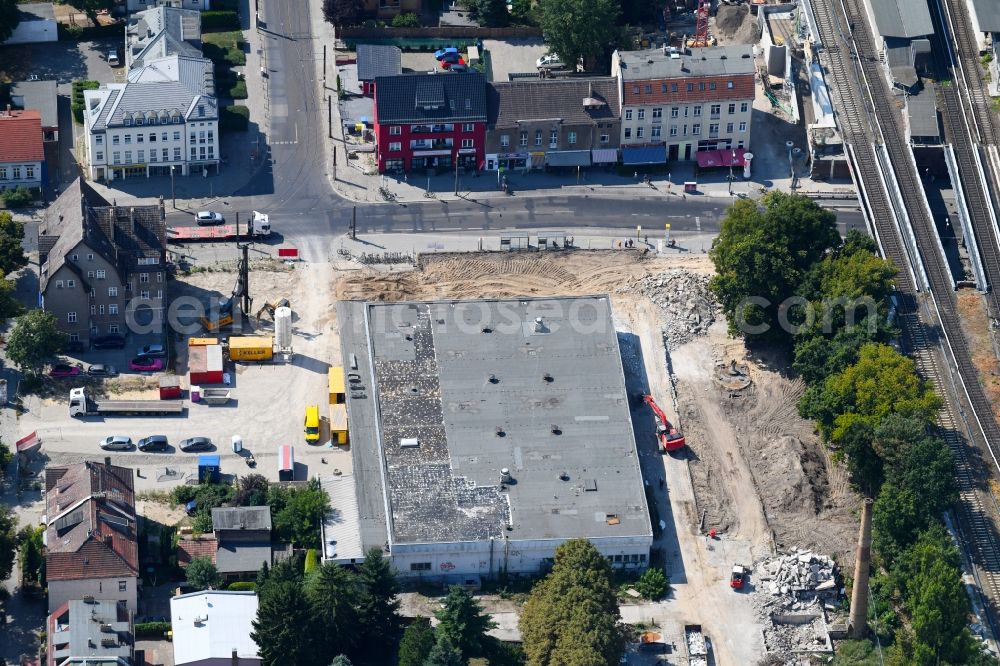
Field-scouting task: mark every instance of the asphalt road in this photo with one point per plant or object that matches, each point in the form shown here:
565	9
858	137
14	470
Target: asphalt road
296	193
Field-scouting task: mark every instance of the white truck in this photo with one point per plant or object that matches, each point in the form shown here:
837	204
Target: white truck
259	226
80	405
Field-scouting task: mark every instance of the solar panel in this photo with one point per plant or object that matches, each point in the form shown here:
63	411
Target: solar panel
69	520
430	94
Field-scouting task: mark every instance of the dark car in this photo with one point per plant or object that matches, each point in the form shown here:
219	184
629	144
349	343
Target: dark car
102	370
195	444
72	346
153	443
108	342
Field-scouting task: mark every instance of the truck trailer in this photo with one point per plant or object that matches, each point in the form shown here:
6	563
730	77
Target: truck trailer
251	348
80	405
258	227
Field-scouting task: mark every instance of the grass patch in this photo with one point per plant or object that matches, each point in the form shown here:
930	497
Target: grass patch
224	48
238	90
234	119
76	103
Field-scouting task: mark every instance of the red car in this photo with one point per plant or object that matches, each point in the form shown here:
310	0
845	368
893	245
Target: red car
446	64
64	370
145	364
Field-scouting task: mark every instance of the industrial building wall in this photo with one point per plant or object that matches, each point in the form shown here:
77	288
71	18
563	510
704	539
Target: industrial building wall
471	560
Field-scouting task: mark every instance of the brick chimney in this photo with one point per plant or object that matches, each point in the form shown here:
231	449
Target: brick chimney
858	624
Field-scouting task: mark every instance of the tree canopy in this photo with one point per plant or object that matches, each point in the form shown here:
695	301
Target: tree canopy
91	7
581	29
882	382
463	622
202	574
34	340
9	18
12	255
762	255
572	614
342	12
378	607
334	593
444	653
8	541
297	511
492	13
417	643
282	629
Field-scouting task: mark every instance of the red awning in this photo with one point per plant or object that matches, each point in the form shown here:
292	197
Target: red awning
708	159
28	443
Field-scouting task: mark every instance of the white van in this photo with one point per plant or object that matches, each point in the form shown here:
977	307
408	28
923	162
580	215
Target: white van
113	58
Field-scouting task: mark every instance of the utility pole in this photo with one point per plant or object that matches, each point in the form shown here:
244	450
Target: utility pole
324	64
456	174
354	223
335	162
329	115
173	195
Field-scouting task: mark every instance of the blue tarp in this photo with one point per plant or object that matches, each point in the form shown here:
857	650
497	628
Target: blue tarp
644	155
208	461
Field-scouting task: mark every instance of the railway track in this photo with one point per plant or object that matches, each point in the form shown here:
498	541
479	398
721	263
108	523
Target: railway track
939	322
986	127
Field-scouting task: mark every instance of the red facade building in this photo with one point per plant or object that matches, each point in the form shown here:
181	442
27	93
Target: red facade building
430	121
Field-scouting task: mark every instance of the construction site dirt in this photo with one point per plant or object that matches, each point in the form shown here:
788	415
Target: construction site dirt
753	470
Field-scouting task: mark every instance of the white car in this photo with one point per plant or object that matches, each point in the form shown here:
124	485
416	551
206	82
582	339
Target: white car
208	217
550	61
116	443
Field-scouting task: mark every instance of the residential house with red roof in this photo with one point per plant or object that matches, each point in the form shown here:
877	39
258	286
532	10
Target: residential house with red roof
90	537
22	151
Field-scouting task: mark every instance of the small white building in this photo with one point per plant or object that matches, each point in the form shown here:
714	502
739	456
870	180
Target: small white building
139	5
163	120
213	627
160	32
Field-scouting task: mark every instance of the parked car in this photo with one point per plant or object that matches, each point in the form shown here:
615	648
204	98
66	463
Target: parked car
60	370
153	443
102	370
110	341
195	444
116	443
209	217
113	58
451	57
448	64
550	61
458	68
73	346
440	53
154	351
145	364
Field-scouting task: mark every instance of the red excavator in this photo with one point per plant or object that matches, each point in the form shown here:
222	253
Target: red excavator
670	437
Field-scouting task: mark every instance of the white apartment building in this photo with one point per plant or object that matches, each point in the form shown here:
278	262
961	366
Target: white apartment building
163	120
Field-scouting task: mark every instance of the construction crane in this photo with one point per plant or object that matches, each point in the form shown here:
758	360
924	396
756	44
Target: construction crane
701	25
223	317
669	437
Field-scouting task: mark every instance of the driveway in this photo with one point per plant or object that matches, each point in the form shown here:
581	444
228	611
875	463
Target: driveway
515	55
63	62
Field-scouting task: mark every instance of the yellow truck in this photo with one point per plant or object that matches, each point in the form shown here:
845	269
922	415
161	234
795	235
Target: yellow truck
251	348
335	378
311	425
338	423
202	342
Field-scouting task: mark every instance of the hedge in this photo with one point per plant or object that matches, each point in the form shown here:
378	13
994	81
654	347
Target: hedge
77	102
20	196
151	629
224	49
243	586
234	119
238	90
90	33
216	21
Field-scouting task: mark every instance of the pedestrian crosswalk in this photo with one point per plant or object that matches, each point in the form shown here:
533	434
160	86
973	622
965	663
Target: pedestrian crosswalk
284	143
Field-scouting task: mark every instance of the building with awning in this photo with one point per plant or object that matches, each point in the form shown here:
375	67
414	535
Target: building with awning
604	156
641	155
710	159
552	123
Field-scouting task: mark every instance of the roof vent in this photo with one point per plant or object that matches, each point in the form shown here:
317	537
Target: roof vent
556	430
201	619
501	432
409	443
487	329
548	378
563	476
505	476
494	379
88	599
540	326
107	628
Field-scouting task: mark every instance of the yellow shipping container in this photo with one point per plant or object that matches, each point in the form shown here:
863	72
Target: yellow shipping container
250	348
202	342
338	423
335	378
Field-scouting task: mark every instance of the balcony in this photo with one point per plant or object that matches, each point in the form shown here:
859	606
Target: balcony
440	144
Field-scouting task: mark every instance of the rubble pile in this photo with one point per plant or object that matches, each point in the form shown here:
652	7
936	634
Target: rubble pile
688	306
791	595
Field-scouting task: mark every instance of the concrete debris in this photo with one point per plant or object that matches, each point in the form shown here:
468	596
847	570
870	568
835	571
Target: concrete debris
790	595
687	305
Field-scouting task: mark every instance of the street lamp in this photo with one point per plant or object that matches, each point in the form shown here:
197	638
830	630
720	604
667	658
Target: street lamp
173	196
731	160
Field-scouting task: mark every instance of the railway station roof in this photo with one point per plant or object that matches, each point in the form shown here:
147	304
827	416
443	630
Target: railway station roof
902	18
987	15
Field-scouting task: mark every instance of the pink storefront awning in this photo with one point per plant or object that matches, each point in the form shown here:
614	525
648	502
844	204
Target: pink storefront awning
708	159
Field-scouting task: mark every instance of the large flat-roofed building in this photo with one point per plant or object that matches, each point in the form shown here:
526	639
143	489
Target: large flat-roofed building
485	433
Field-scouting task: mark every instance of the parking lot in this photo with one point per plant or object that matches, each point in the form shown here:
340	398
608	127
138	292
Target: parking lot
515	55
63	62
266	410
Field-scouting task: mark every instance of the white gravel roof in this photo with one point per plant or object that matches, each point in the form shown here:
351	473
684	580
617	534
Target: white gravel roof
211	624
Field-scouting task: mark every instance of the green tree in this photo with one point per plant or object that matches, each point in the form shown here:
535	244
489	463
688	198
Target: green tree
297	512
463	622
762	255
492	13
8	541
417	642
855	653
523	12
202	574
341	660
5	459
334	593
581	29
882	382
35	339
284	628
638	12
91	7
32	552
378	607
342	12
857	448
408	20
572	614
9	18
653	584
251	490
12	255
444	653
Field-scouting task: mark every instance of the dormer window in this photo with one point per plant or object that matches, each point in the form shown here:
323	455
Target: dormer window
139	121
128	122
468	103
201	111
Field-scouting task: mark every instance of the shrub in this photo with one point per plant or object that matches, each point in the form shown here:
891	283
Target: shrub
18	197
406	21
218	21
151	629
234	119
243	586
77	33
77	103
653	584
238	90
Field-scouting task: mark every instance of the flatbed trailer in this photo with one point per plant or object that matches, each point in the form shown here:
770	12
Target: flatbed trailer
259	226
80	405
